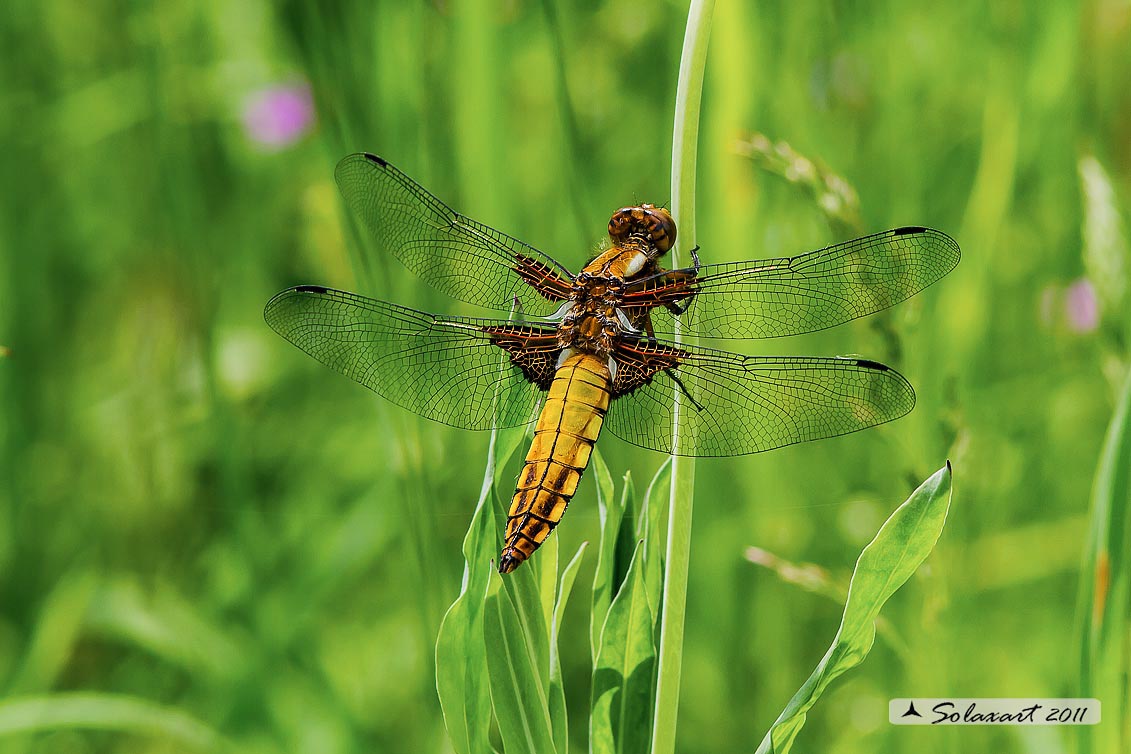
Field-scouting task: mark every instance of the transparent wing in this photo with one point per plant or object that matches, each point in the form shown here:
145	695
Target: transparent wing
746	404
459	256
449	369
775	297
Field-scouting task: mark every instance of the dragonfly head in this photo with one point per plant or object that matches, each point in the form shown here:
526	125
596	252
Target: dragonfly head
652	224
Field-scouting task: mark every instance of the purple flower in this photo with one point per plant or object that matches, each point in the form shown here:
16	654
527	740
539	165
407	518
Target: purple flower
1081	306
278	116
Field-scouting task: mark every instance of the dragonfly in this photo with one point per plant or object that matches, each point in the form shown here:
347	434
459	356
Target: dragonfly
596	350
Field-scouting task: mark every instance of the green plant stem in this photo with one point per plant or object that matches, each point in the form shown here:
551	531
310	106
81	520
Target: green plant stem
685	137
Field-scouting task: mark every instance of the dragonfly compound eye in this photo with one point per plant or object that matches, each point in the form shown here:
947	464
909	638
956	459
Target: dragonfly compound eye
655	224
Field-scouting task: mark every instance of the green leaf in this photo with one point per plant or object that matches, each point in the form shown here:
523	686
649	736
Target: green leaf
626	539
461	661
558	719
650	527
1105	583
610	509
461	683
57	630
603	478
901	545
546	577
507	444
523	589
528	593
517	694
621	709
30	714
568	577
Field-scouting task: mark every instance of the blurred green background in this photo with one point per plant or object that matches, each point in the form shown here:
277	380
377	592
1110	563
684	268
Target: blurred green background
198	517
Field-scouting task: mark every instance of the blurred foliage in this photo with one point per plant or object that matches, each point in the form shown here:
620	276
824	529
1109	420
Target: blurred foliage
201	522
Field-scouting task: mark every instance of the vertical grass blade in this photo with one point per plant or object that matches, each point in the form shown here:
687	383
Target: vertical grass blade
525	592
621	706
533	594
624	544
520	655
461	662
650	529
901	545
610	510
689	92
521	635
517	694
1105	587
558	719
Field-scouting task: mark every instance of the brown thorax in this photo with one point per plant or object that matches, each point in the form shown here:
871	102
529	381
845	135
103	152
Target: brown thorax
591	321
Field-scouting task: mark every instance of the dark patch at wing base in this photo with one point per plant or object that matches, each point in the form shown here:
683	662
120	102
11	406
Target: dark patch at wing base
736	404
533	350
448	369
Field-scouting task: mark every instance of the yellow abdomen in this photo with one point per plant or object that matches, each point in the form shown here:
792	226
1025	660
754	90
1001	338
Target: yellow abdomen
563	439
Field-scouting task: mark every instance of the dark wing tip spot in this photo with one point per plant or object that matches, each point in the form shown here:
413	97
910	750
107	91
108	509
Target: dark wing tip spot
310	289
374	158
909	229
869	364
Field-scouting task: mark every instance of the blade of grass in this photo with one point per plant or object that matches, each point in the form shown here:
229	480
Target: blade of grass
624	544
622	676
464	697
1105	586
649	527
57	631
531	590
517	694
461	662
523	630
610	510
558	719
524	587
900	546
112	712
689	92
527	610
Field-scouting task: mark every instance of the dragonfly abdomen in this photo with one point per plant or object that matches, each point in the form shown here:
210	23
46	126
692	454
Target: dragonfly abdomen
563	440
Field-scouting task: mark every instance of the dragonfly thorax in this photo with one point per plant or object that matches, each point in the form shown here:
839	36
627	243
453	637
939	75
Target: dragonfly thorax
591	323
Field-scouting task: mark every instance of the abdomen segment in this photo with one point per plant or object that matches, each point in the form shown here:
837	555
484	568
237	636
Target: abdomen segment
563	439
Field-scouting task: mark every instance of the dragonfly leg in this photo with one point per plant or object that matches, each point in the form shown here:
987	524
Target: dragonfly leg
685	276
675	308
681	306
648	329
686	272
683	388
517	313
